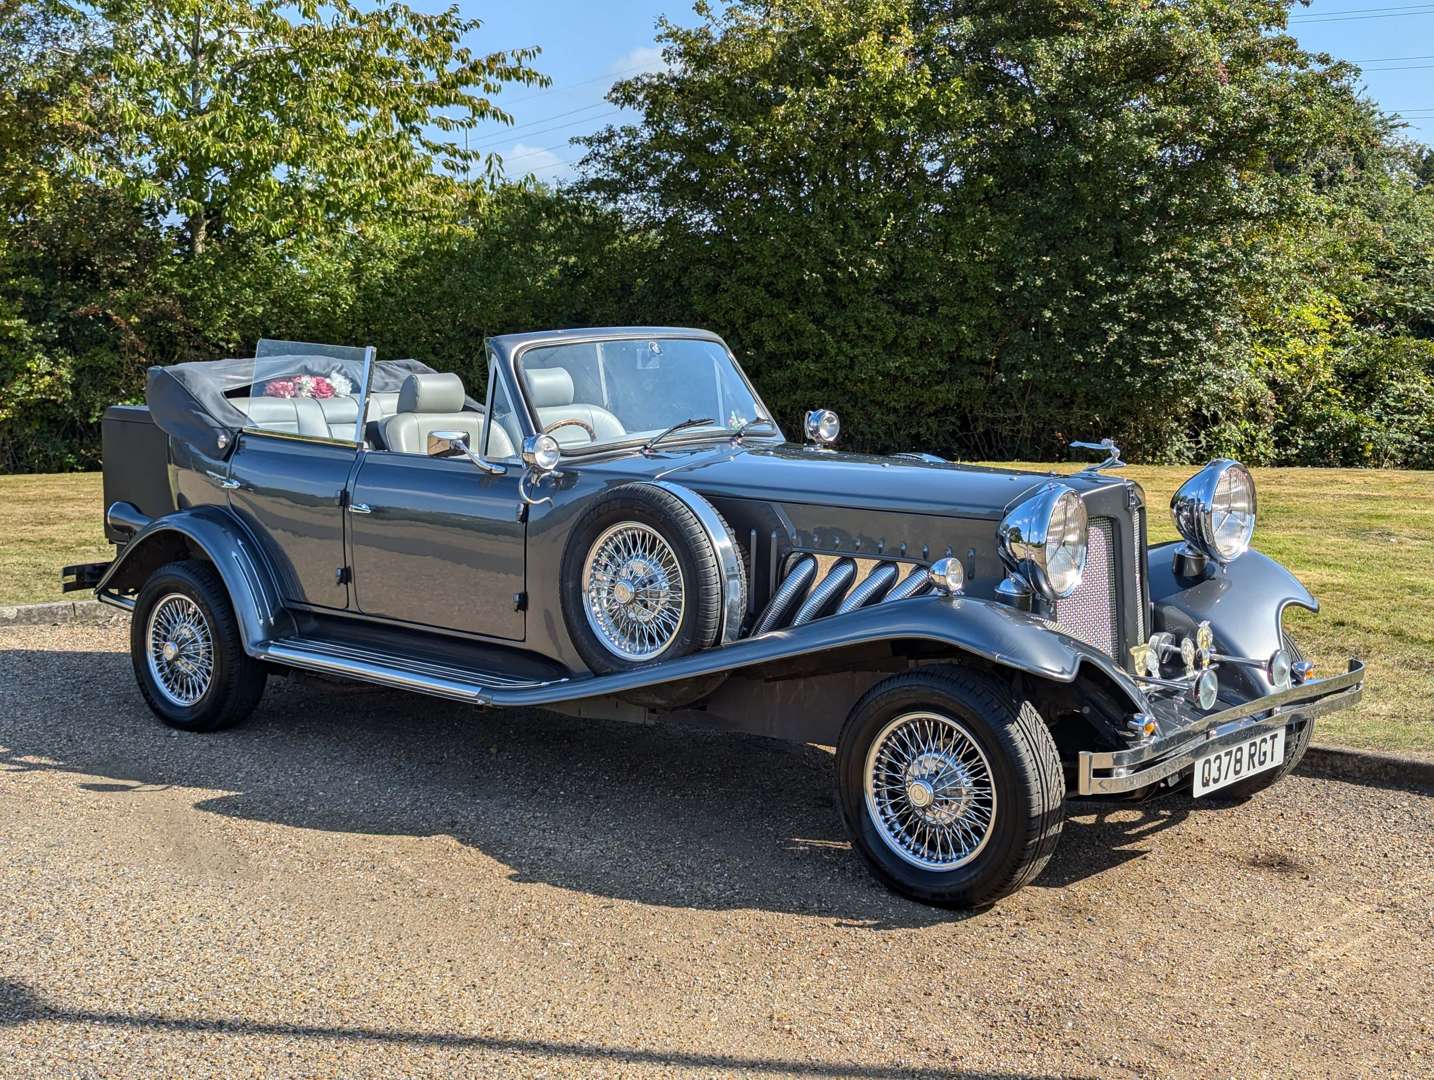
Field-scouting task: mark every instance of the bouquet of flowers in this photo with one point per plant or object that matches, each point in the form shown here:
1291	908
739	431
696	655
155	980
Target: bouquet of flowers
314	386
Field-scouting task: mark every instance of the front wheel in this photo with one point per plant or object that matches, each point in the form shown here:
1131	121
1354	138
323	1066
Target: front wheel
950	786
186	650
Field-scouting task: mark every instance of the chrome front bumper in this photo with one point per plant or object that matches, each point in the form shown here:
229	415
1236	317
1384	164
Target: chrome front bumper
1117	771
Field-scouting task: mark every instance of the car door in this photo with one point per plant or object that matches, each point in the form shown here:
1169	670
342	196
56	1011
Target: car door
437	542
289	491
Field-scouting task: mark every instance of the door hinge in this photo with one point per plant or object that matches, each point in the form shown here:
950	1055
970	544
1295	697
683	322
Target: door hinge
343	575
520	601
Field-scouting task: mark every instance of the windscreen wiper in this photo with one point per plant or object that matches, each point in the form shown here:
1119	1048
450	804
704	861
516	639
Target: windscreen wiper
691	421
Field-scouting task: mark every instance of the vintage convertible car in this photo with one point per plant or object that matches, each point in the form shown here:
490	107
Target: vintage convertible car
622	530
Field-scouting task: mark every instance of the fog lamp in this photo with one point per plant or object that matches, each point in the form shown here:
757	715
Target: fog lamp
947	576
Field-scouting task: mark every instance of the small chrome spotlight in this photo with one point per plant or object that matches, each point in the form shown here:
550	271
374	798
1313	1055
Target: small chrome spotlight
1205	690
1280	670
822	426
947	576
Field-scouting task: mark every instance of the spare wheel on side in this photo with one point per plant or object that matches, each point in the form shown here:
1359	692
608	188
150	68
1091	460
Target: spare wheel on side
646	579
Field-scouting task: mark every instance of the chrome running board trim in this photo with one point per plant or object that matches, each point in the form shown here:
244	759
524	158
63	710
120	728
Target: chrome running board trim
398	672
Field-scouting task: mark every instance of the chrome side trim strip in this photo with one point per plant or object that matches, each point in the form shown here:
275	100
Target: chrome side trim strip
728	558
365	665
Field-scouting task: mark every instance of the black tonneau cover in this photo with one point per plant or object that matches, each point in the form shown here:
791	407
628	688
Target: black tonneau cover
188	401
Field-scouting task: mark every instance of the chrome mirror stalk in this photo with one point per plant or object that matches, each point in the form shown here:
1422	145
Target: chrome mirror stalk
442	443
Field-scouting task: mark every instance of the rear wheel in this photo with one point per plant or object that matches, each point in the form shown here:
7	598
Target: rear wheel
950	786
187	653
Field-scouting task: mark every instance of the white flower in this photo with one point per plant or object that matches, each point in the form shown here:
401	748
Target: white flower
340	383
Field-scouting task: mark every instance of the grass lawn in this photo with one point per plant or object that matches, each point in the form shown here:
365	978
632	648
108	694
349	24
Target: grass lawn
1362	541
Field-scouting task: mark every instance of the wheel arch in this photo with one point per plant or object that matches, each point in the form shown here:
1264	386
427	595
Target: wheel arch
213	535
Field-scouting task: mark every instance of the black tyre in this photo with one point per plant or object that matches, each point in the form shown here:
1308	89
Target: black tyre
1296	744
950	786
641	581
185	646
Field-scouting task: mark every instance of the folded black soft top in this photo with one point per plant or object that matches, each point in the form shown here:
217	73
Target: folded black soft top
190	401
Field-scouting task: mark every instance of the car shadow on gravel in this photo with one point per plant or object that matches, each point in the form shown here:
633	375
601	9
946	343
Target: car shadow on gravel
20	1005
654	814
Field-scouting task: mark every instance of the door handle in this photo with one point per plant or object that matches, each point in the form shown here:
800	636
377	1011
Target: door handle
360	508
223	481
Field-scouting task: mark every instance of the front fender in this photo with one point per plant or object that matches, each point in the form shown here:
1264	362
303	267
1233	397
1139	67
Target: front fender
1243	601
224	542
984	628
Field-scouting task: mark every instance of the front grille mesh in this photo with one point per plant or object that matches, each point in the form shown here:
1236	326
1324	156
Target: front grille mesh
1091	612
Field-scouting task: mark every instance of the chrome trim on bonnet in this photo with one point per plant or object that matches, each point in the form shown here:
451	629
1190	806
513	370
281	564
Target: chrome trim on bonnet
1170	756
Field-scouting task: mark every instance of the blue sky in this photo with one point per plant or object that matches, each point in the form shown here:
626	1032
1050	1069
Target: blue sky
588	43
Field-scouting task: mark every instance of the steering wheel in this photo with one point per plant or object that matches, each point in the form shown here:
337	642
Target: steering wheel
572	421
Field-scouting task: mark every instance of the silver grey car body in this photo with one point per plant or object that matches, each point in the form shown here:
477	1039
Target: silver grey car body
443	575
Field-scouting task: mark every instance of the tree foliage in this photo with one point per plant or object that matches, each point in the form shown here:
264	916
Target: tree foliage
980	229
1023	223
284	118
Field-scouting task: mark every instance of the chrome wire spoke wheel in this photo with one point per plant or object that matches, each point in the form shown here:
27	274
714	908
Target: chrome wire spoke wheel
929	791
633	591
180	649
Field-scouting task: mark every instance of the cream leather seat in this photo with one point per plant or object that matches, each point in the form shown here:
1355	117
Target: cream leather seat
429	403
551	391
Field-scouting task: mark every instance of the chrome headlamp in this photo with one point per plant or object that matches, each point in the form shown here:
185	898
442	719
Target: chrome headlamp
1215	510
1043	542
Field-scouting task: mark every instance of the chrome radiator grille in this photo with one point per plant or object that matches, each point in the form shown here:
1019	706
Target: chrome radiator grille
1091	613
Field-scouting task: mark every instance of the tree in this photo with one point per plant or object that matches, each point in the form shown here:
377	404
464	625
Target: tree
279	119
989	227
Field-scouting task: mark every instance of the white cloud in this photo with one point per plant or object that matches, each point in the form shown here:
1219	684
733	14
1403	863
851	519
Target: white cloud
543	162
640	61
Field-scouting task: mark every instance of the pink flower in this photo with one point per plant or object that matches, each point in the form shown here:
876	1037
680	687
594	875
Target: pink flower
281	388
322	388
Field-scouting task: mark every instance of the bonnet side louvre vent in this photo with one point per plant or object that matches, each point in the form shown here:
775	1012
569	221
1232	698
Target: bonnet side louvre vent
910	585
871	590
828	590
792	586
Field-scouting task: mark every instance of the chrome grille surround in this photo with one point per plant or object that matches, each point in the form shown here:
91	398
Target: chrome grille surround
1092	612
1137	530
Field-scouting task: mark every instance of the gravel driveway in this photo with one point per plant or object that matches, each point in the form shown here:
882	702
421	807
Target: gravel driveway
364	883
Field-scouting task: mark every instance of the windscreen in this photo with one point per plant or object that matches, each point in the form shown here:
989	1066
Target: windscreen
631	389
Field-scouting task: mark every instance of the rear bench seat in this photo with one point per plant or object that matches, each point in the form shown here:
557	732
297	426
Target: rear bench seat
321	418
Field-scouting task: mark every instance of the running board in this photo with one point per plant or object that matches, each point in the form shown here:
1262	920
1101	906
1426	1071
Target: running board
399	672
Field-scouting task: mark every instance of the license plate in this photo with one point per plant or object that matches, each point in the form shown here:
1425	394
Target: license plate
1234	763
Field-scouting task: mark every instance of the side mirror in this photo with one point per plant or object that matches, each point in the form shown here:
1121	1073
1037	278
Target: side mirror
443	443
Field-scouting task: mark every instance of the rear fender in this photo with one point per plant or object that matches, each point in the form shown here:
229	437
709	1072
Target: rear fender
1243	601
210	532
